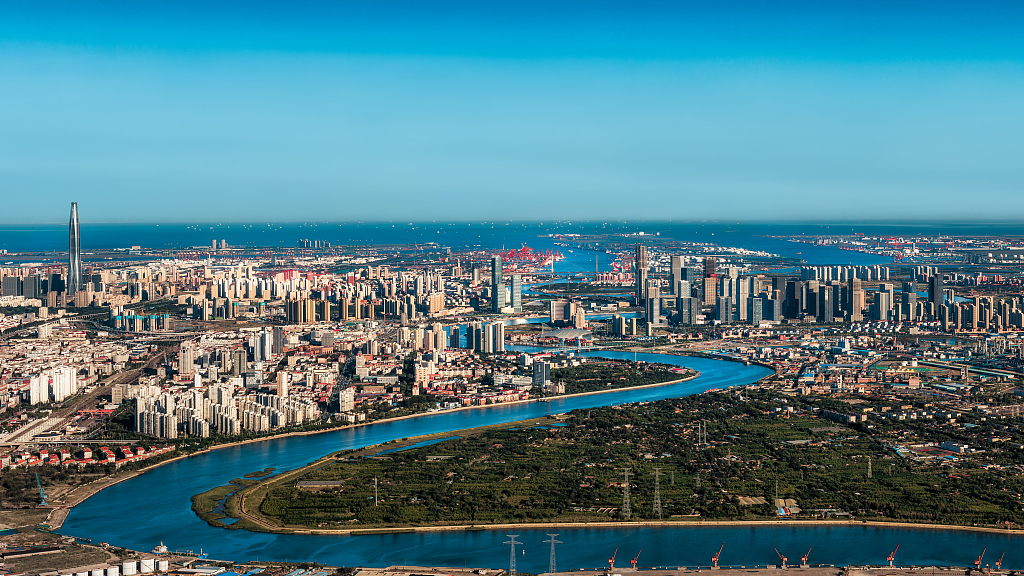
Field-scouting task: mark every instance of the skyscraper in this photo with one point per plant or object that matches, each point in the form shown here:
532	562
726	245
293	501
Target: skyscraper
74	252
517	292
710	266
935	293
676	275
497	285
641	264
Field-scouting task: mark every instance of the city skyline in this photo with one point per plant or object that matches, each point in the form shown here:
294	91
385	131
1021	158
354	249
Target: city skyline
460	112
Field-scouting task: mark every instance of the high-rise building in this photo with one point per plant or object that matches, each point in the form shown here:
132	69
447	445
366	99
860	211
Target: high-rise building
826	307
541	373
935	295
517	293
497	285
641	265
687	309
74	252
282	383
855	306
710	266
710	290
652	307
676	270
723	309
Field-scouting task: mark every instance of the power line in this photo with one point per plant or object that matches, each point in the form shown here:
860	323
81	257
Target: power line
627	511
512	555
657	492
551	565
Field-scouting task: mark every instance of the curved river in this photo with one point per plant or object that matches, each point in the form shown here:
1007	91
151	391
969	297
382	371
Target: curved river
155	507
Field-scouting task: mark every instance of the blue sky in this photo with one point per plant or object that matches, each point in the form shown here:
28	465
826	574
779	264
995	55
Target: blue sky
524	110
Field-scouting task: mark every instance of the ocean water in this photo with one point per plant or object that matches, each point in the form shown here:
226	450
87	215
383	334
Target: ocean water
485	235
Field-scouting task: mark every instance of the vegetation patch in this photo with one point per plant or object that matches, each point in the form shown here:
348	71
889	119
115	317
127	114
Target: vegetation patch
722	456
260	474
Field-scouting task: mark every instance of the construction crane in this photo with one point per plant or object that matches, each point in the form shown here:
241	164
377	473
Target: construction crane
781	557
714	559
892	556
633	561
611	561
803	559
977	563
999	563
42	493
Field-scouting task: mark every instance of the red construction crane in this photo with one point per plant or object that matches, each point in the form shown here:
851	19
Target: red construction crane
977	563
999	563
803	559
781	557
714	559
890	557
611	561
633	561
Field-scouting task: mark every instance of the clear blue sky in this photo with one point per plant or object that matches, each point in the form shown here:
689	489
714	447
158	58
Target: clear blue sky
182	111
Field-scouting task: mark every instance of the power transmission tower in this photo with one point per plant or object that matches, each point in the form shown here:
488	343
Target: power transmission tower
627	511
869	467
657	492
673	473
512	555
551	565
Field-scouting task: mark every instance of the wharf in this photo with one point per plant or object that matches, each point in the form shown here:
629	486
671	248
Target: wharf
771	570
760	570
427	571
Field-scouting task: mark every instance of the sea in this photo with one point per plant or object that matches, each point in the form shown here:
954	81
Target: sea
494	235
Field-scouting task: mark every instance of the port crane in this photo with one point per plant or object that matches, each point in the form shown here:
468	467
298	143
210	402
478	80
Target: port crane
803	559
781	557
633	561
611	561
999	563
714	559
892	556
977	563
42	493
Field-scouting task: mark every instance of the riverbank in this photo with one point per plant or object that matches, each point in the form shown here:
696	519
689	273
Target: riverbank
58	516
651	524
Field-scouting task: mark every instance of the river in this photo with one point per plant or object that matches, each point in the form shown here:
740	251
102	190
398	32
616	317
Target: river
155	507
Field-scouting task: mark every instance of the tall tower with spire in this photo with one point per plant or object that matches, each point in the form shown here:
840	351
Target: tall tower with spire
641	265
74	252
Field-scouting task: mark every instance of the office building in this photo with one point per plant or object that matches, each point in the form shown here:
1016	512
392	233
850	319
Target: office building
826	307
652	306
687	309
74	252
541	373
517	293
497	285
676	274
723	309
641	265
855	303
710	290
935	290
710	266
755	310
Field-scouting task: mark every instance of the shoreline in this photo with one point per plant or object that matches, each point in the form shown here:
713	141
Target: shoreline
647	523
58	524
